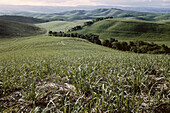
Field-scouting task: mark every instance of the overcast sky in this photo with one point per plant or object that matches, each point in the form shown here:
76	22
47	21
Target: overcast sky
131	3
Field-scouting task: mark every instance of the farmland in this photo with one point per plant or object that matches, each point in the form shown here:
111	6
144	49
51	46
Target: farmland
42	73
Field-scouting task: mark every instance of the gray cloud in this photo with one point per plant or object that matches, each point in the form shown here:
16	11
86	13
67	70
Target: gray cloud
134	3
142	3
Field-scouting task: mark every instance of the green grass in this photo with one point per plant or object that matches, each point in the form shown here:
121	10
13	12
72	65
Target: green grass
92	14
126	29
61	25
10	29
22	19
43	73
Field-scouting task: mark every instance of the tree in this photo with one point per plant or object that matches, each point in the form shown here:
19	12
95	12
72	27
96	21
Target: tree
106	43
124	46
50	33
112	40
116	45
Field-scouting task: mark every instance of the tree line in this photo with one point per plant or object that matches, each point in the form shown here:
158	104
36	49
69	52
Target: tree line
137	46
134	46
79	27
90	37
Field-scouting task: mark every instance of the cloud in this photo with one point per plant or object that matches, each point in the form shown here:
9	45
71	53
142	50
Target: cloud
50	2
137	3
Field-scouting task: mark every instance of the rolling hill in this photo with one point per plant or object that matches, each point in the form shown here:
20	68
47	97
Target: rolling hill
74	73
18	9
92	14
60	25
16	29
22	19
43	68
126	29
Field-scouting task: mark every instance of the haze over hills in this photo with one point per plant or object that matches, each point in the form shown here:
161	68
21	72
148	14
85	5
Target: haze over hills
10	29
92	14
52	13
17	9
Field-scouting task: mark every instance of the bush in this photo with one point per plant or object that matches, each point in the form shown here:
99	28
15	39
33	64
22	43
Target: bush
106	43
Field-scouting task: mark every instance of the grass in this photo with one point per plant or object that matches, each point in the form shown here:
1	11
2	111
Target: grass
92	14
125	29
54	74
10	29
22	19
61	25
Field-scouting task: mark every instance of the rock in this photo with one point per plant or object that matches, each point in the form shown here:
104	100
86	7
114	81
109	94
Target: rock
69	86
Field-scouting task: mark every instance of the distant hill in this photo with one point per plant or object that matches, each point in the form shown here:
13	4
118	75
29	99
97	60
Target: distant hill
23	19
70	14
126	29
16	29
113	12
17	9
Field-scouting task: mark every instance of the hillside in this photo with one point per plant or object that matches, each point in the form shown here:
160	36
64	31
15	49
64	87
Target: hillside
22	19
92	14
74	73
60	25
19	9
15	29
126	29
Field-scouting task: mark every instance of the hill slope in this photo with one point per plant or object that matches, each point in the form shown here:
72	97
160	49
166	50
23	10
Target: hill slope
60	25
91	14
14	29
23	19
128	29
55	68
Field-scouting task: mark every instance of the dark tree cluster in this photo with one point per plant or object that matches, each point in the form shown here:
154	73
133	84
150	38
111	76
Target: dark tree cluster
90	37
76	28
134	46
88	24
137	46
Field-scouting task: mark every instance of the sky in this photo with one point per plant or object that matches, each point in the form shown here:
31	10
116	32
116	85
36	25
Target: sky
126	3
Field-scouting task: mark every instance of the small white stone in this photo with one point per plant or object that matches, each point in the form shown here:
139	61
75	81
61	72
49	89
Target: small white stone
71	87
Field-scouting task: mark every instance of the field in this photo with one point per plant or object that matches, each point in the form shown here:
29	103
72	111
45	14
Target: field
10	29
43	74
22	19
71	75
92	14
129	30
61	25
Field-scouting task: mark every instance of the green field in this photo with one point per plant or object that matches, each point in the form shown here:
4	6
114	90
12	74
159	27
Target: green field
10	29
130	29
61	25
22	19
45	73
98	13
63	74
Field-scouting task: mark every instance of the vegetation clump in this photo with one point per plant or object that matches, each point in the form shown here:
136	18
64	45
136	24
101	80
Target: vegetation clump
137	46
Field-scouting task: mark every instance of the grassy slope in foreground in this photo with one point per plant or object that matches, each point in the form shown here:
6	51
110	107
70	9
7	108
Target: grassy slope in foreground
79	76
125	29
16	29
